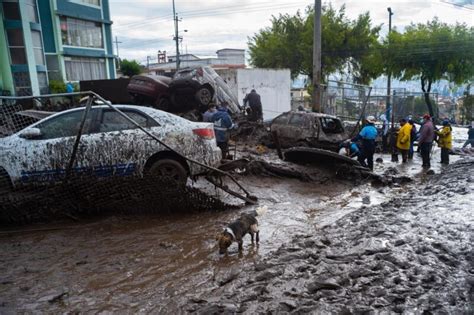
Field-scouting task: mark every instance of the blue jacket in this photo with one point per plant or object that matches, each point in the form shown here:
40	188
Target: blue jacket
369	132
222	123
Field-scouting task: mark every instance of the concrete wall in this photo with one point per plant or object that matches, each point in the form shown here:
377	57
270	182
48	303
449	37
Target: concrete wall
273	86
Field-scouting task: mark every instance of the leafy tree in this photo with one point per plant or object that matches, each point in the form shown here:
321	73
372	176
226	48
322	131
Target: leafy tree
348	46
130	67
431	52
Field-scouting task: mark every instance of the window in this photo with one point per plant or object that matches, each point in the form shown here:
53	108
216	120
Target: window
11	11
17	46
331	125
81	33
52	64
38	47
78	69
31	12
94	2
298	120
43	83
22	83
66	125
282	119
113	121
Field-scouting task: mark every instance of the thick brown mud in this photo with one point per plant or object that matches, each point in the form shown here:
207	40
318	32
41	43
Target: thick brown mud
326	245
410	254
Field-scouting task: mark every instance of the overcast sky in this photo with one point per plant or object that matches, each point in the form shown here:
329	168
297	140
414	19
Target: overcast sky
146	26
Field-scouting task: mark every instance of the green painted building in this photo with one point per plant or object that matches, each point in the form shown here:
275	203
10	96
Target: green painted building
44	40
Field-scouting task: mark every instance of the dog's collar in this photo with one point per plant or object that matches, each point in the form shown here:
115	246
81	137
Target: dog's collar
229	230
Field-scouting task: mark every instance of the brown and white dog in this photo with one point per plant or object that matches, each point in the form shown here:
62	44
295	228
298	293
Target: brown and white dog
235	231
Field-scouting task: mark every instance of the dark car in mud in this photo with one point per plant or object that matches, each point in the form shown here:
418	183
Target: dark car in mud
150	90
306	129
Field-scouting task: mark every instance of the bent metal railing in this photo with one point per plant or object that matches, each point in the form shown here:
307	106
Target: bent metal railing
91	97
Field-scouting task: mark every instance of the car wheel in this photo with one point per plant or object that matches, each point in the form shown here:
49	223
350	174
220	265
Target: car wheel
204	95
163	104
170	172
5	183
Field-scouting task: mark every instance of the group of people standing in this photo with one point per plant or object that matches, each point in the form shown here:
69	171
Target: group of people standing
403	141
427	135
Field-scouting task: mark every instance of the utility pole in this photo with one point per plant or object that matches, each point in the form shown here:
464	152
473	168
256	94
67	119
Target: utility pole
389	110
116	46
317	57
176	37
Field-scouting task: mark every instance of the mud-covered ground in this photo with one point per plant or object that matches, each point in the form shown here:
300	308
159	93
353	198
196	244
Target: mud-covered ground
412	253
326	245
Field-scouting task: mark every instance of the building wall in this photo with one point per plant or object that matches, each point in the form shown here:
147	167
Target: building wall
273	85
46	56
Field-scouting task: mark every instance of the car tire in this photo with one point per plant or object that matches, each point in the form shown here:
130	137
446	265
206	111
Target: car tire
204	95
6	186
171	172
163	104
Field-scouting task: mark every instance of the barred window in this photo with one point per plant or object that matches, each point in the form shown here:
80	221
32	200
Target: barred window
78	69
81	33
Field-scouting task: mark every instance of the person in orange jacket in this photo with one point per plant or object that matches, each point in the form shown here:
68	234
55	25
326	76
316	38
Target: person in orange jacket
445	141
403	139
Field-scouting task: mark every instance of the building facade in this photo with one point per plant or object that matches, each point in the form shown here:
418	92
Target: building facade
227	58
45	40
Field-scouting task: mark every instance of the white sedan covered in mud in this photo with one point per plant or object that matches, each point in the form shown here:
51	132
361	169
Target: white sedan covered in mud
110	145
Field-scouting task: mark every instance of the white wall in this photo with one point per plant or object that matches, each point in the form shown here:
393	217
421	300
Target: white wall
273	86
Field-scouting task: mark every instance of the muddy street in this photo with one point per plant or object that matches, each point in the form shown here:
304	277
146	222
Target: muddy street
323	245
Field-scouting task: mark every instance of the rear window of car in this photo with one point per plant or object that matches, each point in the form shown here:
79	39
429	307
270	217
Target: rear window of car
113	121
298	120
282	119
331	125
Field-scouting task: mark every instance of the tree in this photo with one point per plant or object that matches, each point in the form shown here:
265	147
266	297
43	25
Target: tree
348	46
130	67
431	52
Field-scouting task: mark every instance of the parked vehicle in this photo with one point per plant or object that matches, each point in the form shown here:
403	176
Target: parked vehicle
110	145
150	90
309	129
187	94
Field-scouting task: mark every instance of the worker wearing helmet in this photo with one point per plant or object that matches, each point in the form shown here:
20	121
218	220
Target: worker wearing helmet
367	135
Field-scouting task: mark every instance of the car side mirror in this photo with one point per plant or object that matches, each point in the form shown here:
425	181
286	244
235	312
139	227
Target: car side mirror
31	133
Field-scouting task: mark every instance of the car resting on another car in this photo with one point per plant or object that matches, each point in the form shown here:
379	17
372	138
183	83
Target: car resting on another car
110	145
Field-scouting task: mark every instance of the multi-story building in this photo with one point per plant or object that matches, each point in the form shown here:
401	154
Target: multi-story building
44	40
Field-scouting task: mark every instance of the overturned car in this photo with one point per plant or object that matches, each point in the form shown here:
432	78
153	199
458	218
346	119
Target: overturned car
188	93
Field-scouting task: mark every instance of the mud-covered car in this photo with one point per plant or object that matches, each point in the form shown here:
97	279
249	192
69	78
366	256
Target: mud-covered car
195	88
309	130
150	90
110	145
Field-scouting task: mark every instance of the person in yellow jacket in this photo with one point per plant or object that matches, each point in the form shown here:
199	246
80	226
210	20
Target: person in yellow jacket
403	139
445	141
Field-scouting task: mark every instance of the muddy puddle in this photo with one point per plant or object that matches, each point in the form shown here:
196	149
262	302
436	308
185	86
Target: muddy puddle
164	262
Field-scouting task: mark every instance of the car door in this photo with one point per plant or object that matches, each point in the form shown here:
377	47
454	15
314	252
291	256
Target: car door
298	128
46	157
119	146
280	123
